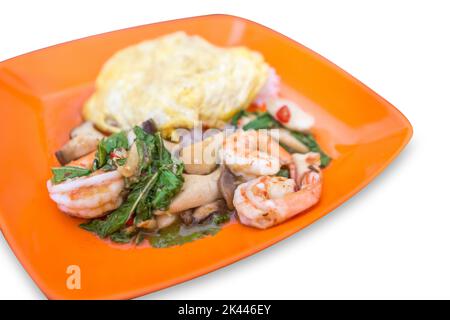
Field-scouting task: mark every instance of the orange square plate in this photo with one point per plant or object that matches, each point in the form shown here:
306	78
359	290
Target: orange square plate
41	94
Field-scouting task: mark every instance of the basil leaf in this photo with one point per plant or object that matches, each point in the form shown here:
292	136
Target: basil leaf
118	218
173	236
123	236
324	159
121	161
145	144
283	173
262	121
108	144
161	154
178	234
92	226
144	136
237	116
143	210
61	174
168	185
140	237
158	180
221	218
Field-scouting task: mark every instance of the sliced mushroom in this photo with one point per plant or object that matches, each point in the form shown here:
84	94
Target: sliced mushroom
203	212
227	185
76	148
197	190
201	157
84	139
165	220
131	165
86	129
160	212
286	138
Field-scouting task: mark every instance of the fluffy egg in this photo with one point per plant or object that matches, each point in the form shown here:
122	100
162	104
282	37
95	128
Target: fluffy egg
177	80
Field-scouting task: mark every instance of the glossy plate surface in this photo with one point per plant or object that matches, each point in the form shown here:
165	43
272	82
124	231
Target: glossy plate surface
41	95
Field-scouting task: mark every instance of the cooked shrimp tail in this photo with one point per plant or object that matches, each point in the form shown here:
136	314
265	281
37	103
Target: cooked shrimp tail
308	195
269	200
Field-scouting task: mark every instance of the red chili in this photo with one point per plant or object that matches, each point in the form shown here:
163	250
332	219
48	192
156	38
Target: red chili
283	114
130	221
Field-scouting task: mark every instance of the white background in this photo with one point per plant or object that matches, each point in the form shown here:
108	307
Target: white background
391	240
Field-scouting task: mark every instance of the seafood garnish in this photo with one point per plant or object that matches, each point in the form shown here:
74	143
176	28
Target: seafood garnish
141	168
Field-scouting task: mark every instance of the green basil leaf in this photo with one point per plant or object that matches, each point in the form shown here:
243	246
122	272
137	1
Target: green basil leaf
108	144
262	121
237	116
158	180
283	173
161	154
168	185
118	218
140	237
145	144
123	236
92	225
221	218
172	235
61	174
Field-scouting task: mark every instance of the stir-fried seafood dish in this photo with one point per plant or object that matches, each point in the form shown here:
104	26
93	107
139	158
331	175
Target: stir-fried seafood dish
180	137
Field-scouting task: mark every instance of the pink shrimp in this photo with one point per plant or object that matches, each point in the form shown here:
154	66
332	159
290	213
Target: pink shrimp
91	196
269	200
252	153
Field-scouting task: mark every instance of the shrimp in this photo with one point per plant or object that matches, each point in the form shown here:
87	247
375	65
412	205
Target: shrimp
303	163
252	153
91	196
267	201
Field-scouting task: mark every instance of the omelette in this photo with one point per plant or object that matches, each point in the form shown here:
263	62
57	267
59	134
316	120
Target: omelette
177	80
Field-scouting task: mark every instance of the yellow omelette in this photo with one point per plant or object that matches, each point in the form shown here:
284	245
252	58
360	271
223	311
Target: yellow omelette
177	80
